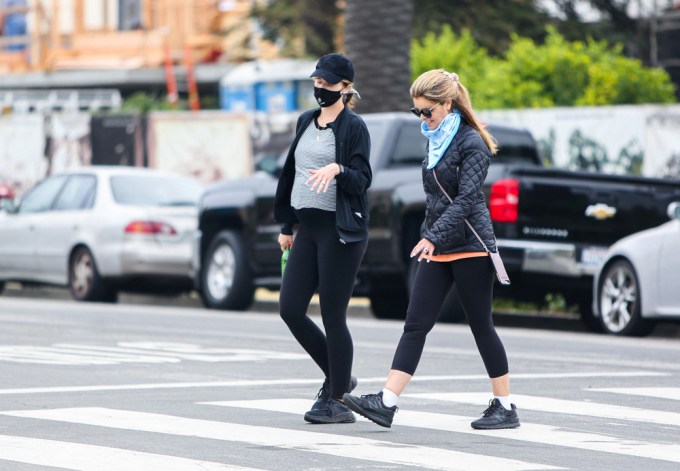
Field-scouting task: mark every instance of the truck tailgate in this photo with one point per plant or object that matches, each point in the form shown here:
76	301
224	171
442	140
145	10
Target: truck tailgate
585	210
568	219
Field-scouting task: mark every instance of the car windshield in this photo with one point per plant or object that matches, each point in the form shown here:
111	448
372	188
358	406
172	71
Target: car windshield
144	190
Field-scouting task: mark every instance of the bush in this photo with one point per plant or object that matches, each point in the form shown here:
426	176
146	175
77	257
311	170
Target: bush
555	73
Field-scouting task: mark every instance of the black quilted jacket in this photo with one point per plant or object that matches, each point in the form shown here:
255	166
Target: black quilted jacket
461	171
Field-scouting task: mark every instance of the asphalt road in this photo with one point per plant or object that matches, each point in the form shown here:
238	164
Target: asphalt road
149	387
267	301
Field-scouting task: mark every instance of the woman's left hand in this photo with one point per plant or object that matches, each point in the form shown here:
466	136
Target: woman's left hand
425	248
322	177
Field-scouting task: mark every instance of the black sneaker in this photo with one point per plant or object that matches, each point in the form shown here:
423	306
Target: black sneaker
333	412
496	417
324	393
372	407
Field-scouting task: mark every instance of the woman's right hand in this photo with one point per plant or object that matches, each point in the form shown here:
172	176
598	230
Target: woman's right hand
285	241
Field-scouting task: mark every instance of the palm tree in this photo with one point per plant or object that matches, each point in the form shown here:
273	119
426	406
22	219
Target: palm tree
377	40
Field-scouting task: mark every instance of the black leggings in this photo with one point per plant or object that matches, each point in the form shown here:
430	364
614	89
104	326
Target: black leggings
319	260
474	278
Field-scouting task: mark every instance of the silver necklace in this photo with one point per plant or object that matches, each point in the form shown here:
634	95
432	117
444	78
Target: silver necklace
319	128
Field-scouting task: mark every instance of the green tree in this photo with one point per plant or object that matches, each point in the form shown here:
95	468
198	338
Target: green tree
490	22
556	73
454	53
564	73
304	28
143	102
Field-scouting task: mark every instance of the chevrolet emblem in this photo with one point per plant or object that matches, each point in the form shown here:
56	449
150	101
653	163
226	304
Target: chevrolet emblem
600	211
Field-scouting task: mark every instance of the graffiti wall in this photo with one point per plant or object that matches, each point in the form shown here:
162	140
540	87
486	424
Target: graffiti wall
639	140
208	145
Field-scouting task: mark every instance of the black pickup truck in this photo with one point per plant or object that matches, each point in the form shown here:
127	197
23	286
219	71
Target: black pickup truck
553	226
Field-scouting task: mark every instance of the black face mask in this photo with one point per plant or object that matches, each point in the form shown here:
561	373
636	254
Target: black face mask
326	97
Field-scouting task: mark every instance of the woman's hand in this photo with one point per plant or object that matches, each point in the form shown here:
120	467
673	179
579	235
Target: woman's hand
285	241
425	248
321	178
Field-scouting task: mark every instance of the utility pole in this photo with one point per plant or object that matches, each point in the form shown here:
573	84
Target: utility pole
653	47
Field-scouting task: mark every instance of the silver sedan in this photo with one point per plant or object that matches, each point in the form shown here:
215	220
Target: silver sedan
100	230
639	280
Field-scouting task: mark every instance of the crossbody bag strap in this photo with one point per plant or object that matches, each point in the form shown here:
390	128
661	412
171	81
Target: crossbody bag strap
434	172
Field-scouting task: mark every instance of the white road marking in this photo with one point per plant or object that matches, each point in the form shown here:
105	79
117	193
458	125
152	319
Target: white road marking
532	433
563	406
60	355
663	393
82	457
135	352
293	381
331	444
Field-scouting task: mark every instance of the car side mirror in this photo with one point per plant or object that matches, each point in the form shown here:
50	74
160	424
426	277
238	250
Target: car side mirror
674	210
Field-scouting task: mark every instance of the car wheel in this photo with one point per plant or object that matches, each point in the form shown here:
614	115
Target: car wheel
619	301
226	277
84	281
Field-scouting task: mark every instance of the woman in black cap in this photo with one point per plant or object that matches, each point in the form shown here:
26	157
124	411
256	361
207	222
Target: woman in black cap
322	190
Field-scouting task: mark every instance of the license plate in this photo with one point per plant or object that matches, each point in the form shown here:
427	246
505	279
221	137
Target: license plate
593	256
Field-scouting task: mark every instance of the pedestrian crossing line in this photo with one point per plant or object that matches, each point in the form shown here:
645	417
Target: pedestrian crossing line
346	446
135	352
81	457
662	393
533	433
296	381
564	406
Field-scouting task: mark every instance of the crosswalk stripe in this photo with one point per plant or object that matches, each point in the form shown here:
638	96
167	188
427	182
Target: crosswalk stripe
533	433
315	381
325	443
134	352
81	457
663	393
563	406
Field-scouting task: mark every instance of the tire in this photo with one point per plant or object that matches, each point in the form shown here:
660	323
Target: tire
226	278
389	298
84	281
618	300
2	287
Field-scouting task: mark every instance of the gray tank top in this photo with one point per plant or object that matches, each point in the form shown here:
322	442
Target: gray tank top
315	149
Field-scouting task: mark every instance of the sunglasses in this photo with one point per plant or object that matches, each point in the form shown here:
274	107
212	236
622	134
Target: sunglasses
427	112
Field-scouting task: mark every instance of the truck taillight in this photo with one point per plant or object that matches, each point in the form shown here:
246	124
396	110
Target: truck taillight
504	200
149	227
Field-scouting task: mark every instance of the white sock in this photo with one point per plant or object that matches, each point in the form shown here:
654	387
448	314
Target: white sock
505	402
389	398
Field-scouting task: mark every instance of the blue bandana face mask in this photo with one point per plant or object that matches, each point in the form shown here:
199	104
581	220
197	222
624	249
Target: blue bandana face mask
441	137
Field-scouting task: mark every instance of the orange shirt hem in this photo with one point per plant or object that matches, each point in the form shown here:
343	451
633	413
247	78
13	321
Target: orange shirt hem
450	257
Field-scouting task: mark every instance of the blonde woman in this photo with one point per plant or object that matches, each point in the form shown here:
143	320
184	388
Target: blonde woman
459	150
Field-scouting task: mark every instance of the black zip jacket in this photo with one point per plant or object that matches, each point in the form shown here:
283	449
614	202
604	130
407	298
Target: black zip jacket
461	171
352	151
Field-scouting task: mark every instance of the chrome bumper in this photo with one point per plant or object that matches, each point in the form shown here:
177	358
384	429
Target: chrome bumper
553	258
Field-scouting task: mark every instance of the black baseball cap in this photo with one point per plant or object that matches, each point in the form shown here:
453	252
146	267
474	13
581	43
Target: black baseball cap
333	68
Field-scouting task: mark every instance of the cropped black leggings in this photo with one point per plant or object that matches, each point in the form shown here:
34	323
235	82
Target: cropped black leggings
474	278
319	260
